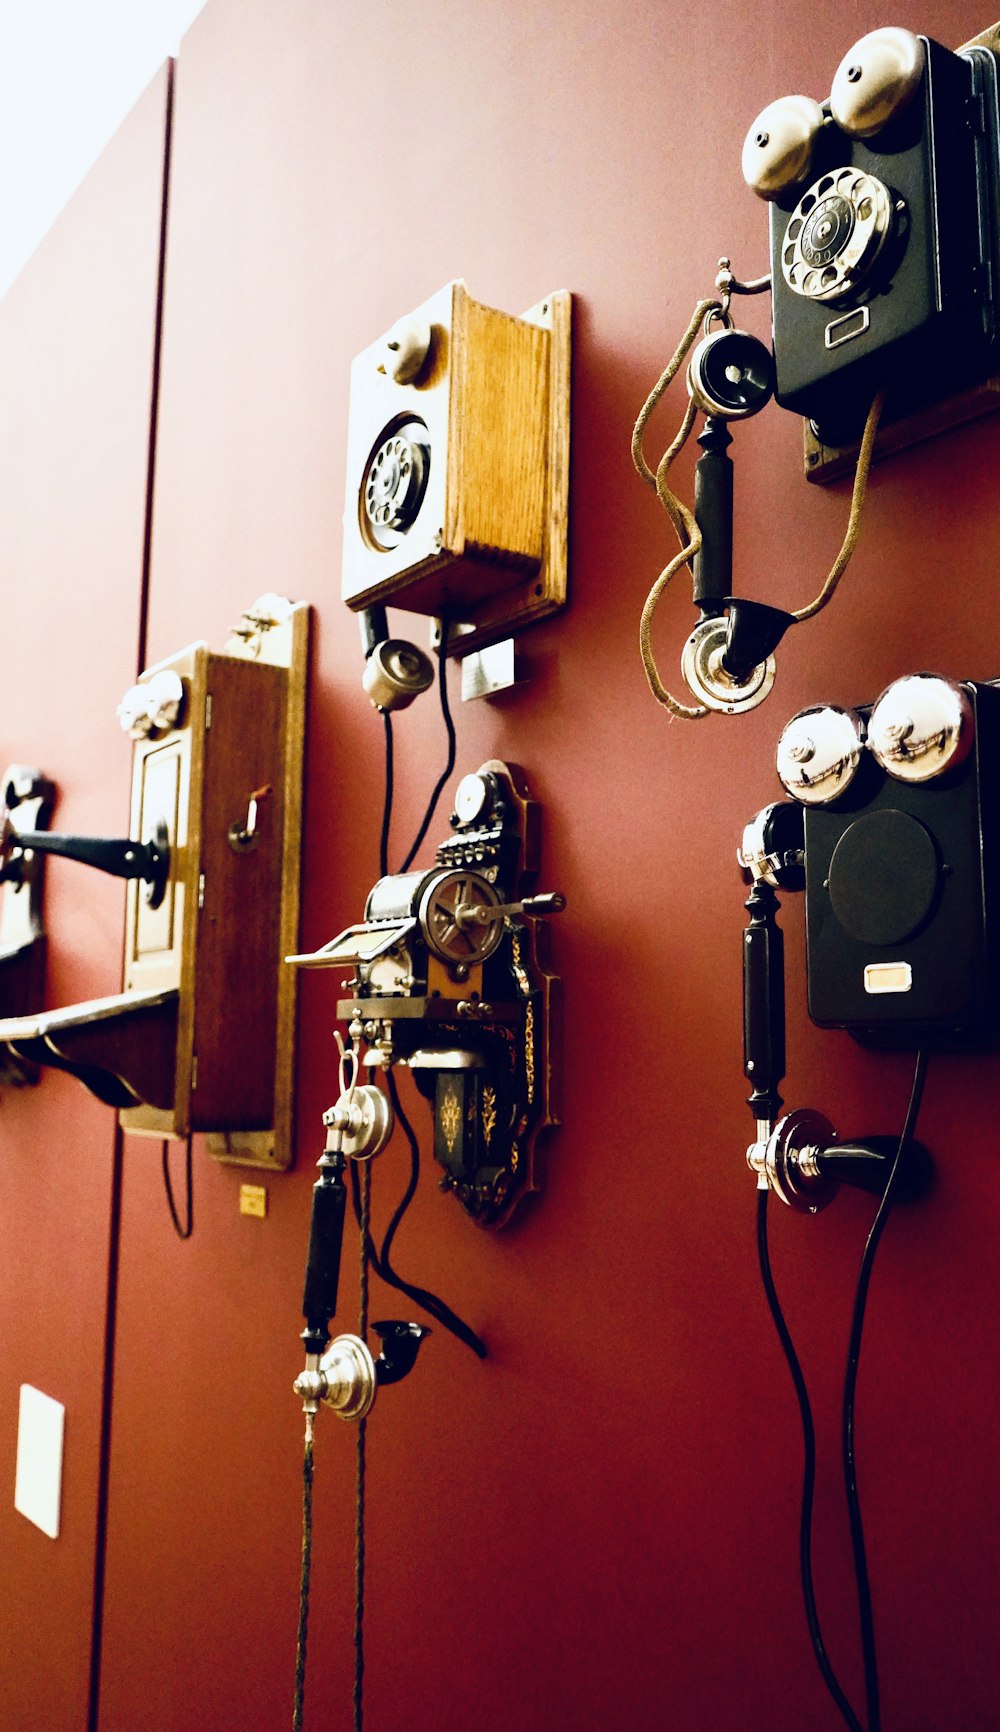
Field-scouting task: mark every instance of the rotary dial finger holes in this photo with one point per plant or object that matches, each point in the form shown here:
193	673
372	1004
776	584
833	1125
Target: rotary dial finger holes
836	233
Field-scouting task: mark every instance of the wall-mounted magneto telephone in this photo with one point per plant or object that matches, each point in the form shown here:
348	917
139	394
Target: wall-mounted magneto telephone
885	226
884	279
890	831
201	1036
446	974
458	464
450	979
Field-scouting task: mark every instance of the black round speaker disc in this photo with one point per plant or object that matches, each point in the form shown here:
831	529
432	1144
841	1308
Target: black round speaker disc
884	877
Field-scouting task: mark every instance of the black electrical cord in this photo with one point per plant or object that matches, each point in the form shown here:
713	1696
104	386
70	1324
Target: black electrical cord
182	1232
808	1472
850	1388
383	846
435	1307
450	762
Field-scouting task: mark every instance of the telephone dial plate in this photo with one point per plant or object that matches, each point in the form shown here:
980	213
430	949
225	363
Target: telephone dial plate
458	465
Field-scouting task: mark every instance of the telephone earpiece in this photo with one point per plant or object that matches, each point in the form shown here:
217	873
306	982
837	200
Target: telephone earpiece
778	149
396	672
731	374
876	80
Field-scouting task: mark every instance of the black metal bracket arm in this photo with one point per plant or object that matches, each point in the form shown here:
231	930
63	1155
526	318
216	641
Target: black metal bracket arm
121	857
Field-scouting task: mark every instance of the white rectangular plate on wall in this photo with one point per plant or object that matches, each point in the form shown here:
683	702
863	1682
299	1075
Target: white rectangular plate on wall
38	1478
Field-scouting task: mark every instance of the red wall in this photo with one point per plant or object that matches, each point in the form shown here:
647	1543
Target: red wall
75	360
596	1528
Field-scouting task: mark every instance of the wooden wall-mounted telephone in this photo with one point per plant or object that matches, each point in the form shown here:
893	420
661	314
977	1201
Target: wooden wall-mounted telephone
201	1038
458	465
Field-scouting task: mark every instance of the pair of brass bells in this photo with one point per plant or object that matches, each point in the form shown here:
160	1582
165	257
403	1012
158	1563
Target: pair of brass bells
873	84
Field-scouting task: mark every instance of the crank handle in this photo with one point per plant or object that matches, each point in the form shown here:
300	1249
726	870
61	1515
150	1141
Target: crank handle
484	914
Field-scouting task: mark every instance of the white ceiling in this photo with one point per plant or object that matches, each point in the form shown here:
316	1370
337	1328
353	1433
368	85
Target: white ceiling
70	71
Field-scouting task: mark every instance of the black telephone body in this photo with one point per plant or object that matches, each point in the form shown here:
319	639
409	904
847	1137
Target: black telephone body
884	253
902	862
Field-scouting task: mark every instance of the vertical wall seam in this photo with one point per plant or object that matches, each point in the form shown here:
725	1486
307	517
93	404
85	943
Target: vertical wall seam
115	1211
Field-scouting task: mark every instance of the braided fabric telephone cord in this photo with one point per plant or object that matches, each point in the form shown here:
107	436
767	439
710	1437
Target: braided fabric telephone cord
359	1517
687	531
686	528
842	560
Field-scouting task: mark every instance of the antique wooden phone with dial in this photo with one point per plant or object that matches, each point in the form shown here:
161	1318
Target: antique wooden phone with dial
458	465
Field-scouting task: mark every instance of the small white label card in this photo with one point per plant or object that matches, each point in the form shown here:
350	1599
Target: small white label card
38	1480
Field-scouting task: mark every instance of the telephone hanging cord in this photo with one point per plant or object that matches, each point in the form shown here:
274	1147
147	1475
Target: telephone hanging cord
850	1390
809	1436
182	1232
383	846
830	1678
686	527
302	1635
849	543
449	727
379	1259
359	1517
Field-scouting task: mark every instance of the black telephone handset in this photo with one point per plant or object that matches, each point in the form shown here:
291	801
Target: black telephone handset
884	230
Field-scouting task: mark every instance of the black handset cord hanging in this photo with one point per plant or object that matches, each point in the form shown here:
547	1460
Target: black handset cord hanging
302	1634
359	1510
379	1258
449	727
683	519
809	1435
383	844
182	1232
850	1386
830	1678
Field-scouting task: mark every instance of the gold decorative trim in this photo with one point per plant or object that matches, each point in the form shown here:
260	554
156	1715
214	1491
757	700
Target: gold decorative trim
489	1114
450	1116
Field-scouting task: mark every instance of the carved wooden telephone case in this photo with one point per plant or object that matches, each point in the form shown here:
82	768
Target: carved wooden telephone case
201	1037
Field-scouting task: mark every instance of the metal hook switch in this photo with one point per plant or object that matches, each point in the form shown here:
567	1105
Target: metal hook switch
243	838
